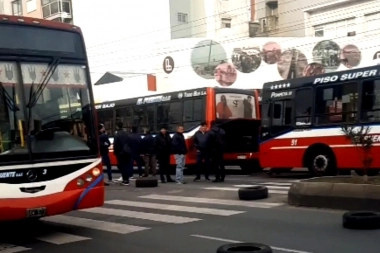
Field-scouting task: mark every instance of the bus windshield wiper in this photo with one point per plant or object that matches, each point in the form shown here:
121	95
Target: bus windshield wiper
35	95
9	100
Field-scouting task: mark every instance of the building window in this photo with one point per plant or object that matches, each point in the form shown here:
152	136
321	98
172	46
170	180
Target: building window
17	8
54	7
318	31
226	23
182	17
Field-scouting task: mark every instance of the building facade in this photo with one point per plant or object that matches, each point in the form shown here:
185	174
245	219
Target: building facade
333	18
56	10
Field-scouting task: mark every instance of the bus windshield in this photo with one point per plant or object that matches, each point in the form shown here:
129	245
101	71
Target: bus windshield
234	105
45	112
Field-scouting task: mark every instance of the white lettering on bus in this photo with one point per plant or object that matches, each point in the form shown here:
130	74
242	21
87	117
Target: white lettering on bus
281	94
10	174
194	94
155	99
346	77
103	106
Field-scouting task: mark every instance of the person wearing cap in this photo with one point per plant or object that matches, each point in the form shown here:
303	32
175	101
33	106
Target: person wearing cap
104	144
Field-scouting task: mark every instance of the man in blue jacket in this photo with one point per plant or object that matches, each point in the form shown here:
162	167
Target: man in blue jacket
179	150
135	144
148	149
202	144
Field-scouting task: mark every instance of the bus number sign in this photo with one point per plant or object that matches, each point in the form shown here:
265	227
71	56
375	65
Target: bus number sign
293	142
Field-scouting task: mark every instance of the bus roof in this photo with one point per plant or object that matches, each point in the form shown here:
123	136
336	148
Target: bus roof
7	19
328	78
168	96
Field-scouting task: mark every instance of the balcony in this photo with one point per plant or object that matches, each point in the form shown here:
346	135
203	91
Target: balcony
57	9
269	23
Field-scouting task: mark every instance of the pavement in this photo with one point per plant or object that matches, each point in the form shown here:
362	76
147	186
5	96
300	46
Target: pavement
196	217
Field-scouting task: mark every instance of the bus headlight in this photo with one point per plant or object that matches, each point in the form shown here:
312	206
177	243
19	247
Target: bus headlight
88	178
95	172
80	182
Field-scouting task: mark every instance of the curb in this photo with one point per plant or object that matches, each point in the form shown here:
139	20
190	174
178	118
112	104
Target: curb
342	196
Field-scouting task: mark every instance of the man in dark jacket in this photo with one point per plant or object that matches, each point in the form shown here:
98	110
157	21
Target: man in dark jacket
164	149
123	152
104	144
202	144
148	149
217	142
135	145
179	150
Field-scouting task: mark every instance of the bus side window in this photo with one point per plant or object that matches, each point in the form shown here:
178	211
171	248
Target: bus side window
304	101
124	115
192	113
370	106
282	113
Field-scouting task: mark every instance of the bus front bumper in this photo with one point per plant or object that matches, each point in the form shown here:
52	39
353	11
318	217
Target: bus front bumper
53	204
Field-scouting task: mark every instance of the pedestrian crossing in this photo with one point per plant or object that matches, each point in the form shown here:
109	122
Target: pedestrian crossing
273	187
115	215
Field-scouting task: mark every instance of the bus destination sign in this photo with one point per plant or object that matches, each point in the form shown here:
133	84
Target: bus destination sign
346	76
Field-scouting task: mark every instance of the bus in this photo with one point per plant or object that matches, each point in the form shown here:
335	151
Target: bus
189	108
302	121
49	157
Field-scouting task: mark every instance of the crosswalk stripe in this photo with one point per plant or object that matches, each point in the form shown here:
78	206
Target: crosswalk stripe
189	209
236	189
95	224
61	238
9	248
256	204
269	187
141	215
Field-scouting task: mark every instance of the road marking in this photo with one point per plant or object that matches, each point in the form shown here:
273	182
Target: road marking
256	204
141	215
267	186
232	241
9	248
189	209
236	189
61	238
278	184
95	224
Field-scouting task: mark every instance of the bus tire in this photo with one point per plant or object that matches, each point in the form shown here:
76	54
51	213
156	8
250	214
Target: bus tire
244	247
146	182
321	161
370	173
251	167
253	193
361	220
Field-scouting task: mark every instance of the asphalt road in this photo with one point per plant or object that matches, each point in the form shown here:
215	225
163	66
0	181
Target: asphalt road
197	217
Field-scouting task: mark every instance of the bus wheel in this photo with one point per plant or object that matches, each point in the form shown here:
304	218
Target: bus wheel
322	163
251	167
370	173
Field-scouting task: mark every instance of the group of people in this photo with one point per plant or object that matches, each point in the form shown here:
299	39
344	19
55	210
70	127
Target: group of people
129	147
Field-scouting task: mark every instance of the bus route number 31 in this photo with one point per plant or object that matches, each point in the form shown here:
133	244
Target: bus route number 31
293	142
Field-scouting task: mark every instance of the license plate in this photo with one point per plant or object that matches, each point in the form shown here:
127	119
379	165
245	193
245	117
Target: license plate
36	212
241	157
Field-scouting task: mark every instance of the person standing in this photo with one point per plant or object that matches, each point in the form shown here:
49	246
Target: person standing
104	144
122	152
201	143
135	144
164	149
179	150
217	142
148	150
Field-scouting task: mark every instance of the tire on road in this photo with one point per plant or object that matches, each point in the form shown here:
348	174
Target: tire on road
253	193
244	247
361	220
146	182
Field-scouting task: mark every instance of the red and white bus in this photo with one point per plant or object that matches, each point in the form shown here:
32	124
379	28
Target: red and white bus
235	110
302	120
49	161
